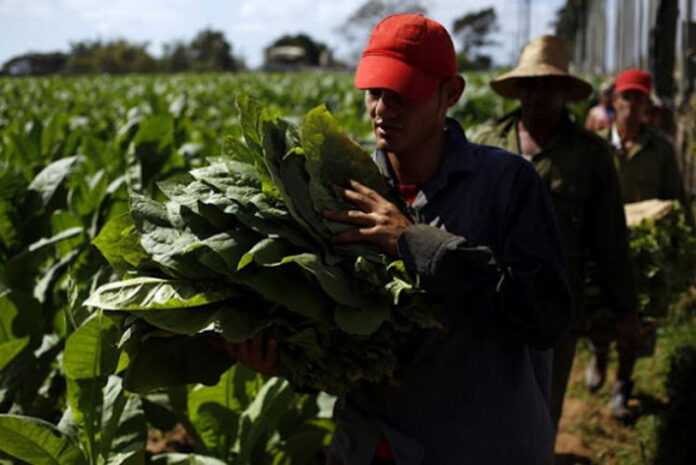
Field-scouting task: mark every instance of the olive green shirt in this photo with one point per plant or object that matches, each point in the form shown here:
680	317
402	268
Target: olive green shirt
576	166
649	170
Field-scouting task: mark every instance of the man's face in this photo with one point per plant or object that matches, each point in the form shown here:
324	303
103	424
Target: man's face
541	95
401	125
630	106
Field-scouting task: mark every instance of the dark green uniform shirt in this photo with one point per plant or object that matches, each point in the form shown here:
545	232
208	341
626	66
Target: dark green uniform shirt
649	170
576	166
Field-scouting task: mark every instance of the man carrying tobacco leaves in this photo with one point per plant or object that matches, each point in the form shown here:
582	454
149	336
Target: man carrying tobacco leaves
486	246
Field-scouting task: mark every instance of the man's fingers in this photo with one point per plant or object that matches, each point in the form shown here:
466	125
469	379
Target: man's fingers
358	199
363	189
355	217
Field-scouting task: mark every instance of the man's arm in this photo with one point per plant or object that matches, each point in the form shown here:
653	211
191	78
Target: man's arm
526	277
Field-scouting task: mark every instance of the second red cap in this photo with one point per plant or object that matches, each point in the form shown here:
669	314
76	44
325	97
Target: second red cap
634	79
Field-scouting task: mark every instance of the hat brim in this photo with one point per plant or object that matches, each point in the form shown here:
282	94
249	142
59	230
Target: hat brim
508	85
629	86
384	72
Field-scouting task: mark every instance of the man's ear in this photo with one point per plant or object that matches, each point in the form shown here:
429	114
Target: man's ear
454	88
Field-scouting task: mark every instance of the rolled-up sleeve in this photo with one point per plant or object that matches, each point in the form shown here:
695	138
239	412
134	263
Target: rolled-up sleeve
522	276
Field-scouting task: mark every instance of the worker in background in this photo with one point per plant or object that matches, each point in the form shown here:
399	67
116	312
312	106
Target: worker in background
578	171
647	168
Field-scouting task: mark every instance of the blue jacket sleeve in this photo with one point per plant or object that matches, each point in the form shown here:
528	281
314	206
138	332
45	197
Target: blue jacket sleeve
522	275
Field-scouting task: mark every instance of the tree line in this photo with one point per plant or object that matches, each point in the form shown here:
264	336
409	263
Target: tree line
210	51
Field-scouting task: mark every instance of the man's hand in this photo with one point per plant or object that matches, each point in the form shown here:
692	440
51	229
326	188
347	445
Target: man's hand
629	333
379	220
257	354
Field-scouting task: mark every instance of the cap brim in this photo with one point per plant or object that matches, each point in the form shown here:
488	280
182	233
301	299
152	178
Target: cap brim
508	85
384	72
627	87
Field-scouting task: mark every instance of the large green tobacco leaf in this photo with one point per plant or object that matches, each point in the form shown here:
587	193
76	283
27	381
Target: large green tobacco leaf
252	114
123	426
355	312
237	193
262	416
185	459
160	362
109	422
215	411
120	244
306	444
286	166
150	150
91	351
333	158
10	349
282	286
37	442
155	294
46	183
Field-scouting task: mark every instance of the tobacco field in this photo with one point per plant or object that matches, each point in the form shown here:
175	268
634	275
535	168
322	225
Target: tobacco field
76	152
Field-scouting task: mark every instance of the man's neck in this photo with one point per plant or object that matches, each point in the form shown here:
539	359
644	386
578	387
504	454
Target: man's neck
419	165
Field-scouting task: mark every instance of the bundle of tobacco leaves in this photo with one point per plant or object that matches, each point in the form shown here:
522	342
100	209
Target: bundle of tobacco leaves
241	246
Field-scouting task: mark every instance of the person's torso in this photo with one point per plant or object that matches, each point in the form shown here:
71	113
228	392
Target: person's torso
567	165
642	168
472	394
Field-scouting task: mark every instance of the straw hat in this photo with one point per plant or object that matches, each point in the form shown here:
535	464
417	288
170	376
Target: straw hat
545	56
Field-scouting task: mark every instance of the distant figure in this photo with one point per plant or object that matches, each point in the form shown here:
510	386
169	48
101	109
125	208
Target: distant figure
645	158
648	169
601	115
577	168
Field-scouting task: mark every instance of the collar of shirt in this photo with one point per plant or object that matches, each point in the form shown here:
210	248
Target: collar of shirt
614	137
643	140
455	159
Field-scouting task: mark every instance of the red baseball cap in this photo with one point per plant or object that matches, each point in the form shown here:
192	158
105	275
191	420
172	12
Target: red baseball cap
634	79
409	54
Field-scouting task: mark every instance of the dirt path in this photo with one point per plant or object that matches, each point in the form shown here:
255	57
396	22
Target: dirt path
587	433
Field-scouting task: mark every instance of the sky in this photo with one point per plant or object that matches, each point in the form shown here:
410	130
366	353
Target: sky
249	25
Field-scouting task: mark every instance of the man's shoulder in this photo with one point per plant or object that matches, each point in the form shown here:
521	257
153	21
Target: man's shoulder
495	158
660	141
494	131
596	140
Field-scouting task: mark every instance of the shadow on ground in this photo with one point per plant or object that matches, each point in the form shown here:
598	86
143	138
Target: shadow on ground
571	459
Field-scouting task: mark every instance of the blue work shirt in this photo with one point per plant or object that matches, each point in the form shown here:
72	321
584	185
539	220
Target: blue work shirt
476	393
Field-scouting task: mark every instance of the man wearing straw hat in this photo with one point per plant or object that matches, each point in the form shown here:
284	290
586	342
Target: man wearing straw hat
577	168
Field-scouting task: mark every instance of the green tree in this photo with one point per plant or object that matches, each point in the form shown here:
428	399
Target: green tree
210	51
473	31
114	57
176	57
569	19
